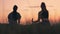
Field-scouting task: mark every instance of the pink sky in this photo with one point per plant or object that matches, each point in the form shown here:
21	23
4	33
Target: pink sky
29	9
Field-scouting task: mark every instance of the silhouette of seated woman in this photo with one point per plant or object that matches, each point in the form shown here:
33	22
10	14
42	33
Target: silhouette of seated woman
14	17
43	14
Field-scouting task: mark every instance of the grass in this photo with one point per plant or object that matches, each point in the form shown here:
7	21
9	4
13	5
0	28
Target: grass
29	29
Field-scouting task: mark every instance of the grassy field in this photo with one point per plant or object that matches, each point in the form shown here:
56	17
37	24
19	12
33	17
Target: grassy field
29	29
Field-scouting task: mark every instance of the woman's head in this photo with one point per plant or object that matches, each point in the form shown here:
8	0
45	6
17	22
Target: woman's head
43	6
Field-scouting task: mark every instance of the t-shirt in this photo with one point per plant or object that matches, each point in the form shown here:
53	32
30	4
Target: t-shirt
13	17
43	14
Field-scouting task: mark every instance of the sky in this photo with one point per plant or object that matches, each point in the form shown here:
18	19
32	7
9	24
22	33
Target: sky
29	9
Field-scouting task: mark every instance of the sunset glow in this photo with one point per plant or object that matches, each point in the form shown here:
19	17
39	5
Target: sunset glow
29	9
